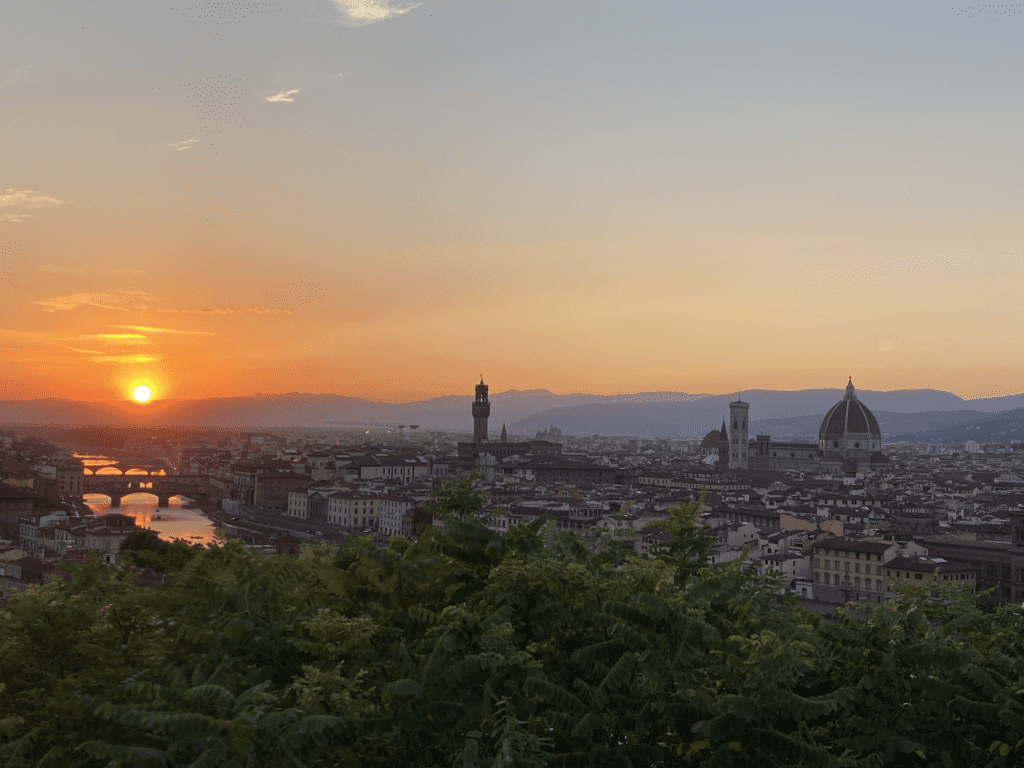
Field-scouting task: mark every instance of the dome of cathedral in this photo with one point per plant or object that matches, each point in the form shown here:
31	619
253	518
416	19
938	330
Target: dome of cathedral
849	419
711	439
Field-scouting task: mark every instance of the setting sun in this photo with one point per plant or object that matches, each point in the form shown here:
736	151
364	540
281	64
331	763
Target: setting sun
141	393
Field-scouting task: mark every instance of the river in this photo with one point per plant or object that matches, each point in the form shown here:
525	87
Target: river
175	521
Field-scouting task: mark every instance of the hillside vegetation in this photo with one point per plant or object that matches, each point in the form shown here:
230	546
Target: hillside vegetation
464	648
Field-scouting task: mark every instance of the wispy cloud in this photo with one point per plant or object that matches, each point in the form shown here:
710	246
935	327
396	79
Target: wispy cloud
265	311
185	144
127	271
151	329
86	351
26	198
129	337
283	95
226	311
359	13
61	303
123	359
15	217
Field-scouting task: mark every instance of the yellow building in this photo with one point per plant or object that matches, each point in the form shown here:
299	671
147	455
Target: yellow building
921	570
848	569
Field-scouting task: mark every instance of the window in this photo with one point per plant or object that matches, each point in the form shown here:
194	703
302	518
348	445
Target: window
889	573
827	565
817	563
856	582
847	567
878	570
817	577
917	576
878	585
991	571
856	567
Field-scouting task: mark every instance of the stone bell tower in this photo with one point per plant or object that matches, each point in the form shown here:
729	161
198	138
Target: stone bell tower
738	442
481	410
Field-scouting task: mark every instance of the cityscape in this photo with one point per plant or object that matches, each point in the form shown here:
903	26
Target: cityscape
415	384
951	511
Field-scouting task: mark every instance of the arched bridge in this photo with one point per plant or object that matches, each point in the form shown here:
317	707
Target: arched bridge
161	486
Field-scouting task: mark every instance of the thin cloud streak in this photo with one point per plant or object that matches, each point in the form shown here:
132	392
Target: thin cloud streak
151	329
26	198
359	13
283	95
63	303
226	311
133	337
124	359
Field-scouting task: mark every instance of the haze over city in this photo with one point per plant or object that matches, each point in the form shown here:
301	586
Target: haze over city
382	200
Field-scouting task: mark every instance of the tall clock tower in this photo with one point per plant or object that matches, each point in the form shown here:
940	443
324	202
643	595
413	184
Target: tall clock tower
481	410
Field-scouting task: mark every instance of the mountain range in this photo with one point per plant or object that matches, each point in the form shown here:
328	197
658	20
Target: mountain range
903	414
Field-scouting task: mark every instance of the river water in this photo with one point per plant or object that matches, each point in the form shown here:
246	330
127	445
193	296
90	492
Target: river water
175	521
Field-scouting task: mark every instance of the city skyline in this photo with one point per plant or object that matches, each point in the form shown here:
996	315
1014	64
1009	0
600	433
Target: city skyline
382	199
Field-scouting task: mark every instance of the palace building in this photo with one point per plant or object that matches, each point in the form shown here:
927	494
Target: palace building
468	453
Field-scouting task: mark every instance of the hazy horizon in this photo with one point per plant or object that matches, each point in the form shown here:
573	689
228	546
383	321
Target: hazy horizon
700	395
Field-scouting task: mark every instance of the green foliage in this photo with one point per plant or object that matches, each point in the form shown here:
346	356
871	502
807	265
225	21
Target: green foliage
463	648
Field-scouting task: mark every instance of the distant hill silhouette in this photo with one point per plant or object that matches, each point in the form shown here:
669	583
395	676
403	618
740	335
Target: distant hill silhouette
644	414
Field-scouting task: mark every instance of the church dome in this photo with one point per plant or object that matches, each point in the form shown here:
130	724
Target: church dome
850	424
711	439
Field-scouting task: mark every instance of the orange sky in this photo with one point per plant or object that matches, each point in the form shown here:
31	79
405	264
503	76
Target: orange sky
382	200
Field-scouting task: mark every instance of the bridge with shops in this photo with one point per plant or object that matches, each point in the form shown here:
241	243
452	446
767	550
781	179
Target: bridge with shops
161	486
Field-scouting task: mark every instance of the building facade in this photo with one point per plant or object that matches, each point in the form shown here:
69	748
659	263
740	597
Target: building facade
846	570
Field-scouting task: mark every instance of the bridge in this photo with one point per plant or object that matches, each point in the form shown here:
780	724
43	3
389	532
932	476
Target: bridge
161	486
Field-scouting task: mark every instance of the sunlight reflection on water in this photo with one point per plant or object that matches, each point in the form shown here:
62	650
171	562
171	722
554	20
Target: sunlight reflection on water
170	523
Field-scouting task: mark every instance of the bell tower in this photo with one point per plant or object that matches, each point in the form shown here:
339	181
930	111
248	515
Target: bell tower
481	410
738	443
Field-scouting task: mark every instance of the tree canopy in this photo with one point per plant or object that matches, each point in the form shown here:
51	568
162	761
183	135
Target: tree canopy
465	648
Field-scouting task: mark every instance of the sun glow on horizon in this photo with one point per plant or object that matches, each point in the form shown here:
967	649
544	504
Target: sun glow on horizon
142	393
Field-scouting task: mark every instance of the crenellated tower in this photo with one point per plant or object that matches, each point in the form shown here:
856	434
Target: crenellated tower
481	410
738	444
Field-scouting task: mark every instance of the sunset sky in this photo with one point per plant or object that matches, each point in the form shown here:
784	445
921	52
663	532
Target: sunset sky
385	199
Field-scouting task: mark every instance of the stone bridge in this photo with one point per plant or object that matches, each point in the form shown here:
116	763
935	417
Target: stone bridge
161	486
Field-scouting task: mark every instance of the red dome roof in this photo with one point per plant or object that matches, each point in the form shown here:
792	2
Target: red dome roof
849	417
711	439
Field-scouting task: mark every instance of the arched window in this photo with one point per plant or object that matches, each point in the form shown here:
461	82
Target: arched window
803	592
878	585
